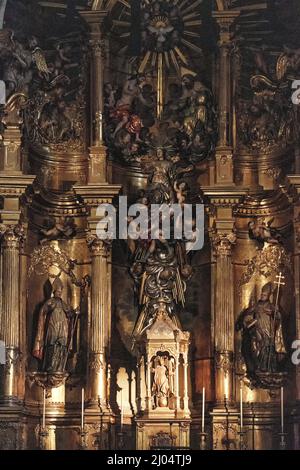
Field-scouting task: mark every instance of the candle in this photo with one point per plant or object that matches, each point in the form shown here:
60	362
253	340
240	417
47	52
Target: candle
44	409
122	410
282	410
101	127
241	408
82	409
203	410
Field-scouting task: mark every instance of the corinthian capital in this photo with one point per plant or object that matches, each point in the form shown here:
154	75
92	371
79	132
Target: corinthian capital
223	243
98	47
97	246
12	235
225	20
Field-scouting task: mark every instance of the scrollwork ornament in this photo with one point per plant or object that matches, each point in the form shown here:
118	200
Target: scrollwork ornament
269	261
46	257
13	359
9	433
226	436
95	362
224	361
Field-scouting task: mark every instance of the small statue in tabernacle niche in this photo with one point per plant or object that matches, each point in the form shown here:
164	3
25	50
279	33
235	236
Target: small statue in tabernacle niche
163	378
56	326
263	347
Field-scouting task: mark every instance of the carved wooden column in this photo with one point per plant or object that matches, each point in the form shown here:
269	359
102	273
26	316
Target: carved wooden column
185	385
100	318
97	162
100	315
224	414
98	191
12	186
12	234
224	317
177	393
148	398
224	152
11	237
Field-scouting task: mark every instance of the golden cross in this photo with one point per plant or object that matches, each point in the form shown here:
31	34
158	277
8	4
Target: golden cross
280	278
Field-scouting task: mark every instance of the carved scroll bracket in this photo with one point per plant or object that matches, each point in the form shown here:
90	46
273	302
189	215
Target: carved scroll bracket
268	261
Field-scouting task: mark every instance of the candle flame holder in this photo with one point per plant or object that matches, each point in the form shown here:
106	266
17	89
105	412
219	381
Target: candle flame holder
282	443
242	435
43	435
83	441
121	440
203	441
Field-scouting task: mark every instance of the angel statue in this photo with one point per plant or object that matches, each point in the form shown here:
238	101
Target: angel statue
20	62
163	180
56	326
65	228
161	385
262	232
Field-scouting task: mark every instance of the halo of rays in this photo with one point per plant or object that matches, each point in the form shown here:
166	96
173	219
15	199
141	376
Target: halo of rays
177	55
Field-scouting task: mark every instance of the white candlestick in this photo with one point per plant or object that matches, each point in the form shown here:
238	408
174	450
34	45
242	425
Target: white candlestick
282	410
101	127
122	410
241	408
203	410
44	409
82	409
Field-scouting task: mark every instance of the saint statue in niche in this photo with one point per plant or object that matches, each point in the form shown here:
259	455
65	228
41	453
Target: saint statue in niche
263	346
56	325
163	380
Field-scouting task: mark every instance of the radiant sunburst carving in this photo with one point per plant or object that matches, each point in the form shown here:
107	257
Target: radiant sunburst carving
169	32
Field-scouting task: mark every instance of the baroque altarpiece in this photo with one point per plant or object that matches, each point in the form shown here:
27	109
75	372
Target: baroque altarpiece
115	344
